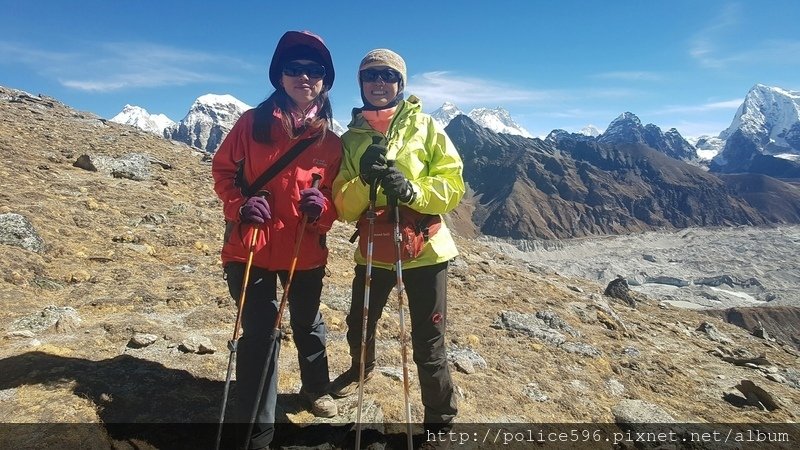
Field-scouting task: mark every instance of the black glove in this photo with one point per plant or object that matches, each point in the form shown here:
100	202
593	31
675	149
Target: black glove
396	185
373	163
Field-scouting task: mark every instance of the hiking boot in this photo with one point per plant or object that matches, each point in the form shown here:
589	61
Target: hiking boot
322	405
346	384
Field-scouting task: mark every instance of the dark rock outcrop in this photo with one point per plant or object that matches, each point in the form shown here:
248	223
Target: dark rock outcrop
618	288
779	322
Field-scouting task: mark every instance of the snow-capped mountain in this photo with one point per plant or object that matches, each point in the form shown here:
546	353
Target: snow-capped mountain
209	120
590	130
628	129
140	118
707	146
445	114
558	135
770	116
498	120
764	136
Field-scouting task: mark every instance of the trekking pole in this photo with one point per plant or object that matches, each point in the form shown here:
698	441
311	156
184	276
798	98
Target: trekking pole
373	195
276	330
234	342
400	287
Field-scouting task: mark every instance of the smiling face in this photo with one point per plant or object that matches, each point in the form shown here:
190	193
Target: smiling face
301	83
378	92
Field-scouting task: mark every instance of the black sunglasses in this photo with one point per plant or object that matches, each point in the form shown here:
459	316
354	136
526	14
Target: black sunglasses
312	70
387	75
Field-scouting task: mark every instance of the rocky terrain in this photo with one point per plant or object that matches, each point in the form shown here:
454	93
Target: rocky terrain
747	275
115	313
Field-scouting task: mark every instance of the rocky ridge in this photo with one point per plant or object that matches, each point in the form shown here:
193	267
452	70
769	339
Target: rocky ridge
571	185
627	129
120	314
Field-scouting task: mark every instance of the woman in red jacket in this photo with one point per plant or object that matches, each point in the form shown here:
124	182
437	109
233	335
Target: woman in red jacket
302	73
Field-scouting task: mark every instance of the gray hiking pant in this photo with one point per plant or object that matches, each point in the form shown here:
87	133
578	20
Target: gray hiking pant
426	290
258	321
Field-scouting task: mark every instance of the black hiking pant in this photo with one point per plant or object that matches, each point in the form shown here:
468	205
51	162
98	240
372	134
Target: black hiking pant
258	321
426	290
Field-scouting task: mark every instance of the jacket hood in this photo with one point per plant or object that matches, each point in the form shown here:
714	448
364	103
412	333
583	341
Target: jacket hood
304	43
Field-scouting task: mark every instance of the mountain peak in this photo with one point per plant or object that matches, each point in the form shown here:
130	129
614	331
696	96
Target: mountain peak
778	90
498	120
625	128
209	120
445	114
628	129
626	117
590	130
216	100
139	117
766	117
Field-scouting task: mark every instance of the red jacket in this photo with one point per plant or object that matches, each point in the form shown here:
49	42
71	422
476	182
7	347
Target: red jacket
275	245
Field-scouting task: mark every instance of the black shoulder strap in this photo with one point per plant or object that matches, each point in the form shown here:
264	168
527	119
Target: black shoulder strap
276	168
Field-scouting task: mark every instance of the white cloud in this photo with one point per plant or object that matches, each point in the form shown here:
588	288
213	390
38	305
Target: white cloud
114	66
713	106
703	47
13	53
434	88
437	87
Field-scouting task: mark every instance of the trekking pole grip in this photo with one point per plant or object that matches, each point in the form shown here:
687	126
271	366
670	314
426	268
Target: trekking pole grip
316	178
373	191
393	201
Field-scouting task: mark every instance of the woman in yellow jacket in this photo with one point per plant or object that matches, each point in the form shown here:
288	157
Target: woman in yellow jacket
426	176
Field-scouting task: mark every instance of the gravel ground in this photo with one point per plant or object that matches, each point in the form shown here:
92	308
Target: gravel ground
693	267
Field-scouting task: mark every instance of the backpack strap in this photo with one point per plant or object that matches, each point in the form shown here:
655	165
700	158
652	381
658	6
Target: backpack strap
274	169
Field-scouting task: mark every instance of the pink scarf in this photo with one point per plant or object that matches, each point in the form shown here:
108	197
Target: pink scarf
379	119
299	118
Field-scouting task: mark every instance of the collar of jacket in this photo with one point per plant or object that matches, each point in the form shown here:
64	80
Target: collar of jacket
303	131
408	106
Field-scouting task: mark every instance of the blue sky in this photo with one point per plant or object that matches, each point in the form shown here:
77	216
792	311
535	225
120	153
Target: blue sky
552	64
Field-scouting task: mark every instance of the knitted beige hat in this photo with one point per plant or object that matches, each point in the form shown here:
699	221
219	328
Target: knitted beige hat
384	57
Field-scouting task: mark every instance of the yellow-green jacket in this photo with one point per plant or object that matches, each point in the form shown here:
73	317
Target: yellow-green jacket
424	154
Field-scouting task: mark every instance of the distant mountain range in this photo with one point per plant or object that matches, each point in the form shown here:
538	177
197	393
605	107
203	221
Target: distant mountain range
208	121
570	185
497	119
